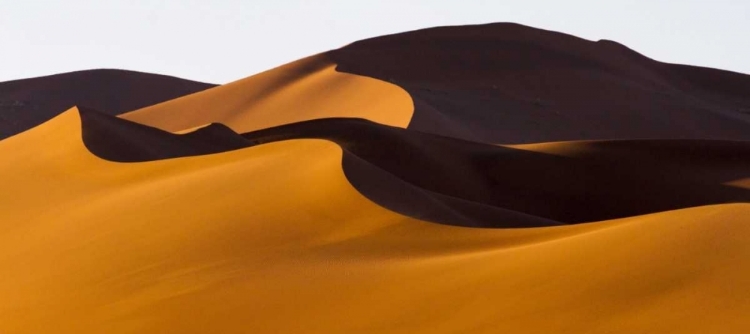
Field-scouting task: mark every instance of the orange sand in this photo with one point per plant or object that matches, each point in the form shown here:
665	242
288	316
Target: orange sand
273	239
306	89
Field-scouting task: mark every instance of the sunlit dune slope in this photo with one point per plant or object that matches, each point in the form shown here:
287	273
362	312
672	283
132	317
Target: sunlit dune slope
29	102
508	83
274	239
306	89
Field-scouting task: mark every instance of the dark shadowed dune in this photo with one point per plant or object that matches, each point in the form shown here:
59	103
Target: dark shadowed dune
116	139
29	102
568	182
397	194
457	182
508	83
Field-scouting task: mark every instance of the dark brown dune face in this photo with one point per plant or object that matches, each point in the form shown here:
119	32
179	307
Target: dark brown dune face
457	182
120	140
29	102
507	83
471	184
116	139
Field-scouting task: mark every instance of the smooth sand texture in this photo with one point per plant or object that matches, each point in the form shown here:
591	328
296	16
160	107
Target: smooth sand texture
306	89
274	239
29	102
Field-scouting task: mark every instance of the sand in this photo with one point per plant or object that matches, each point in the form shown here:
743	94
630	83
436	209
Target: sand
273	238
306	89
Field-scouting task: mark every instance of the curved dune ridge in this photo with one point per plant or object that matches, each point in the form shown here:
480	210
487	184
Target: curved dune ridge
415	173
273	238
118	140
277	96
562	182
343	193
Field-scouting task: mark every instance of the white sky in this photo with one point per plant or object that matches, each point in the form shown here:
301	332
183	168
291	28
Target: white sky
223	40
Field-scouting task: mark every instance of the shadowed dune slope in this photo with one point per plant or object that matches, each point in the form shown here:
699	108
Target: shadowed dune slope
29	102
116	139
450	181
369	150
275	97
274	239
508	83
566	182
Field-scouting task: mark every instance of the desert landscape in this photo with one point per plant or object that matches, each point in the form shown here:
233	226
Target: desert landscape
492	178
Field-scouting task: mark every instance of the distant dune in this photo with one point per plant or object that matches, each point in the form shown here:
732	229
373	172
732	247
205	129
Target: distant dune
29	102
508	83
477	179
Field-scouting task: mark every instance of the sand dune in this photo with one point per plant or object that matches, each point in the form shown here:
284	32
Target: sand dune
116	139
29	102
307	89
249	240
508	83
344	193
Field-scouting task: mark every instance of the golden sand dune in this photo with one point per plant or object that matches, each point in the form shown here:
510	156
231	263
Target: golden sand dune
273	238
342	193
307	89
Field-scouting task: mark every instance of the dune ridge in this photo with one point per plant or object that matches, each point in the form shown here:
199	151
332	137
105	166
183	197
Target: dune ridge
516	186
561	182
498	83
276	96
119	140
